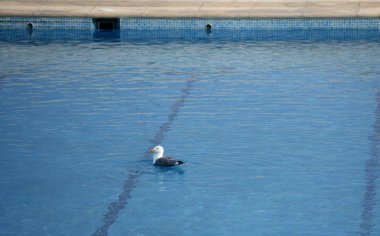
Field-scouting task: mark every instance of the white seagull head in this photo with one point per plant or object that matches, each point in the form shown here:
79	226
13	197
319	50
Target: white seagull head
158	152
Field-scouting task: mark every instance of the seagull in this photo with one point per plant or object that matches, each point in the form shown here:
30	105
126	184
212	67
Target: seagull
160	160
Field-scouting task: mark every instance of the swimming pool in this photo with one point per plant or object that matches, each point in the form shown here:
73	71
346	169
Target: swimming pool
281	132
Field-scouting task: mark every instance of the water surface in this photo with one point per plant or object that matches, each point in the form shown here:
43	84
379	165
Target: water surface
281	134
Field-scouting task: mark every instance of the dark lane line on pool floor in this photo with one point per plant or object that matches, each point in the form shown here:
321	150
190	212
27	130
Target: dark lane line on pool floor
131	182
371	173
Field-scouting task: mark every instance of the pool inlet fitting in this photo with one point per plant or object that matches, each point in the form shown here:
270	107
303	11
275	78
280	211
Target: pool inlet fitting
29	25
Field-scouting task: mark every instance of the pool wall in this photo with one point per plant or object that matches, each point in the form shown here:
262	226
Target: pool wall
194	14
196	23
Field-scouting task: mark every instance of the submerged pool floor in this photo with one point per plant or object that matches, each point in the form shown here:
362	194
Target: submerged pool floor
281	135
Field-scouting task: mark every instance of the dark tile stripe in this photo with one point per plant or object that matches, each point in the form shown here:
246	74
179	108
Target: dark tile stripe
372	174
131	182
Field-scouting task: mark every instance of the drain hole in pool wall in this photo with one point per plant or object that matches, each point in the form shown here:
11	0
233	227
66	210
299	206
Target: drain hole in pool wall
106	23
208	28
29	25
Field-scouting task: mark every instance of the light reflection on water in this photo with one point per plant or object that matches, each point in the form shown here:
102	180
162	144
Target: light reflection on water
275	133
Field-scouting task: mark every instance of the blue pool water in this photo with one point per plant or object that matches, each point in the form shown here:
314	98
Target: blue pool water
281	133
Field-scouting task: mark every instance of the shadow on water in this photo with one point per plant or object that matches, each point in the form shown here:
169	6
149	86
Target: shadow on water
106	35
186	35
372	174
172	170
133	176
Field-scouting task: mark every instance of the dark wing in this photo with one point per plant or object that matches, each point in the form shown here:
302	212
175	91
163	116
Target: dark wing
166	161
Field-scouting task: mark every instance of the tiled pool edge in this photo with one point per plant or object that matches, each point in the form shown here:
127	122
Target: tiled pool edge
194	23
192	9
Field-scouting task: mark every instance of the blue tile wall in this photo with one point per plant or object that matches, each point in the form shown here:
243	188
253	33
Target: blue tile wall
46	22
146	23
252	35
336	23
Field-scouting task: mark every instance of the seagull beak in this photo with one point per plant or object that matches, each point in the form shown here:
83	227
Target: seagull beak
152	150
